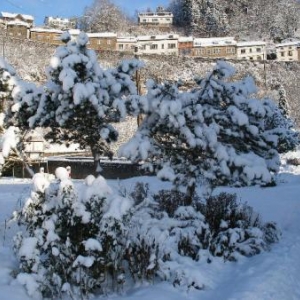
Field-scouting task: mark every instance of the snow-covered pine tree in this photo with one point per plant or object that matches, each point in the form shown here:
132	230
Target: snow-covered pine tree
14	92
216	133
81	99
282	125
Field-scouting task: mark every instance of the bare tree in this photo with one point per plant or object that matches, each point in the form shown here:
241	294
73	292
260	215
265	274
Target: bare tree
105	15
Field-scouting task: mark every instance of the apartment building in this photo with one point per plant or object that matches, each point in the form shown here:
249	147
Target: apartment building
46	35
159	18
288	51
219	47
103	41
158	44
60	23
252	50
126	44
185	45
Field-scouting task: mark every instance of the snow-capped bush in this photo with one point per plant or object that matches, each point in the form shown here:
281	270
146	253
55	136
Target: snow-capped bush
236	228
74	240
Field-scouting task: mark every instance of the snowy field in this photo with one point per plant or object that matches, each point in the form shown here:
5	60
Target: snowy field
271	275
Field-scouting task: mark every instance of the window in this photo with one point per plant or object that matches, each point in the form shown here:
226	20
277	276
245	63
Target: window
144	20
230	50
208	51
259	58
250	50
154	20
162	46
121	46
290	53
258	49
243	51
153	46
216	51
171	46
143	47
282	54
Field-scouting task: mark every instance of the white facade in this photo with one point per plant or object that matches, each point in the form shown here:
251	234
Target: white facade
254	50
156	18
287	51
126	44
158	44
214	41
60	23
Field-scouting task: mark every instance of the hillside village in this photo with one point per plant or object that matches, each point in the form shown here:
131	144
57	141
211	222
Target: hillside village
20	26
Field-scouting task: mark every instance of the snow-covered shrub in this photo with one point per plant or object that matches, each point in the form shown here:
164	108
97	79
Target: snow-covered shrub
236	228
74	240
157	242
140	192
169	200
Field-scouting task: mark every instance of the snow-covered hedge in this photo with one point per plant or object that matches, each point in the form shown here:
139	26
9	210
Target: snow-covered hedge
86	239
74	238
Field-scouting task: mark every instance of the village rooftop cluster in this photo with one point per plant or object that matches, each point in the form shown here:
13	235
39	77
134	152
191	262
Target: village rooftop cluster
20	26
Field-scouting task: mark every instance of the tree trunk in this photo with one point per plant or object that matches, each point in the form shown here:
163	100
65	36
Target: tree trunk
190	192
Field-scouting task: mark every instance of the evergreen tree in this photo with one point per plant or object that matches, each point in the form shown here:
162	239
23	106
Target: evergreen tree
216	133
81	99
13	126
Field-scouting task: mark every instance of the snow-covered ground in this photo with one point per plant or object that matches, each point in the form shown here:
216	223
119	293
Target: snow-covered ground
271	275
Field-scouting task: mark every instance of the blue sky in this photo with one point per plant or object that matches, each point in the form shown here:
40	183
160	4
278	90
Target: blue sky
67	8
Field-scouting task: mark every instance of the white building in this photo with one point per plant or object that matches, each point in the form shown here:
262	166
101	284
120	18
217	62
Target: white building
158	44
59	23
158	18
6	17
126	44
216	47
287	51
252	50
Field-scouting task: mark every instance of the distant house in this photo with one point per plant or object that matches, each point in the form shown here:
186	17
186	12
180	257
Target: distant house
60	23
288	51
17	29
185	45
158	44
6	17
219	47
16	25
45	35
160	18
253	50
126	44
103	41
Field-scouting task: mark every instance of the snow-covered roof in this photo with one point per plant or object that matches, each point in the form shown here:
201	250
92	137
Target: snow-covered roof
158	37
74	31
18	23
297	43
13	15
126	40
250	43
102	34
216	41
185	39
41	29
